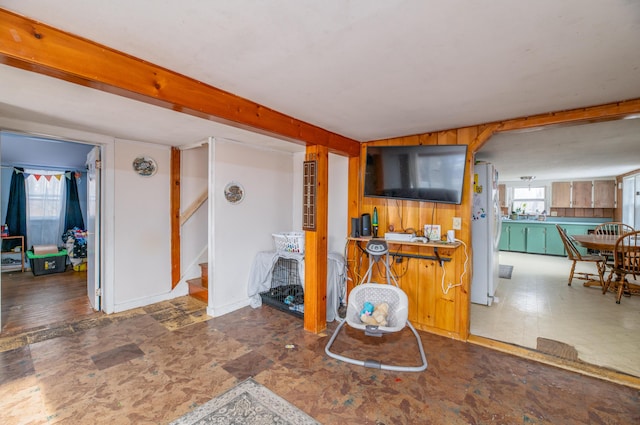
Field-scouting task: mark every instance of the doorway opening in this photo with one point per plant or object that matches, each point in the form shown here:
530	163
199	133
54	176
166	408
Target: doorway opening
29	301
535	305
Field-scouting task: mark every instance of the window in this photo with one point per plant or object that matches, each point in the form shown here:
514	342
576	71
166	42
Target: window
45	195
528	200
46	201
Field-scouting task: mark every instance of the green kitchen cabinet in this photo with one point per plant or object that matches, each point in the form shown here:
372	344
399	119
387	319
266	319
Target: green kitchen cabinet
513	237
536	239
517	237
504	237
554	241
578	229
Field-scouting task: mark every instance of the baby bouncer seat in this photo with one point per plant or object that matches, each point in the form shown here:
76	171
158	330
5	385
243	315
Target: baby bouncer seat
376	294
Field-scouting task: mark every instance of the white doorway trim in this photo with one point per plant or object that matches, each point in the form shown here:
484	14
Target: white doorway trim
107	185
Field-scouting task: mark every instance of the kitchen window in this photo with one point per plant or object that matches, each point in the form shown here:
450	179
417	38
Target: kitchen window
528	200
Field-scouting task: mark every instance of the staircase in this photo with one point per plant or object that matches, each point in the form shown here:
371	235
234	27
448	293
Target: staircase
199	287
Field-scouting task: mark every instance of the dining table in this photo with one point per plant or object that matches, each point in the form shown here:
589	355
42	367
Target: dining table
597	242
604	243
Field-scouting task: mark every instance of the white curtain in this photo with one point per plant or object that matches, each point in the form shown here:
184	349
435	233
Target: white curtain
46	196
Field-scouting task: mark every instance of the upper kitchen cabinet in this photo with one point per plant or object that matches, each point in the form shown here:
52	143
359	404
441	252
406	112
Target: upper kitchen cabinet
502	195
561	195
582	194
604	194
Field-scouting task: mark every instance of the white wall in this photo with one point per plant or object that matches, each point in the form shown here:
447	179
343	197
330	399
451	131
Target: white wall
338	202
142	228
241	230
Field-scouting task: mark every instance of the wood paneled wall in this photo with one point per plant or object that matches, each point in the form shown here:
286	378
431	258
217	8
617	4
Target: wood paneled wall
585	212
431	308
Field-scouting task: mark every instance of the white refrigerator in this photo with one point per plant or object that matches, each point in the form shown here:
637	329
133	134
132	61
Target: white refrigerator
486	226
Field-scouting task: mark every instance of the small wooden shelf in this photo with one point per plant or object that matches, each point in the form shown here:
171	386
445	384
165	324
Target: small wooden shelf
6	268
435	245
432	244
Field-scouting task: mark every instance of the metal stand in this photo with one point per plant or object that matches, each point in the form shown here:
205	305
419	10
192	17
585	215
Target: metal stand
398	303
377	249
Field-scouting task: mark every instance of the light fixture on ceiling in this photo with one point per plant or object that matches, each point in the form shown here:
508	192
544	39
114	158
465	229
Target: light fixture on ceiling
528	179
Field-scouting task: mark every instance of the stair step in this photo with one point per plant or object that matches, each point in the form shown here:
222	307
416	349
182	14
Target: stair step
204	272
197	290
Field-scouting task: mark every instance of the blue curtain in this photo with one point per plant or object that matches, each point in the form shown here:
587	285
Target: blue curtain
73	216
16	210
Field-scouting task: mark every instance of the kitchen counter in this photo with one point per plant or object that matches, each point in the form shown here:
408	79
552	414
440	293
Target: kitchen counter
542	237
561	222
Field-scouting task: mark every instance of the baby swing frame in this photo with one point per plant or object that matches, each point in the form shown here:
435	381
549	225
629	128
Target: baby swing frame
376	293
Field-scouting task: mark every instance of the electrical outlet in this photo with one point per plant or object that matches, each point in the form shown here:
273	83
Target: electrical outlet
457	223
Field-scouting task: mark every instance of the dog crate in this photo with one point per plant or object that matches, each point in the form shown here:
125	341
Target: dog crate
286	292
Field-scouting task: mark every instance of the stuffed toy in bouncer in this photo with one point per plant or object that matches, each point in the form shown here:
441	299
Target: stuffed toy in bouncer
376	316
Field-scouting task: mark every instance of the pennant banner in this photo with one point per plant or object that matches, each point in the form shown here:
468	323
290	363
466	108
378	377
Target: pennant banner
67	175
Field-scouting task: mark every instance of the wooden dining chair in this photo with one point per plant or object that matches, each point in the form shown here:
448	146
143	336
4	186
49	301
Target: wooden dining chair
574	255
612	228
626	263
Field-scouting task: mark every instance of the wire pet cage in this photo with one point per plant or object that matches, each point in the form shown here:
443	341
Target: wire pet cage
286	292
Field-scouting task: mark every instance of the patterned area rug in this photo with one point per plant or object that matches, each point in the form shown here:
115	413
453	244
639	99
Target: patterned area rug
505	271
246	403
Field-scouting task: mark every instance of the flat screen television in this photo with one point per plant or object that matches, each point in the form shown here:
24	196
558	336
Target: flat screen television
430	173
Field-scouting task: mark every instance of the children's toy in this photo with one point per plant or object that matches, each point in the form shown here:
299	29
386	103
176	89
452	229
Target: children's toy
380	314
367	309
378	317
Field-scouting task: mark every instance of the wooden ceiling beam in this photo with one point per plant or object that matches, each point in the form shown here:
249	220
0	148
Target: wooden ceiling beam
590	114
33	46
598	113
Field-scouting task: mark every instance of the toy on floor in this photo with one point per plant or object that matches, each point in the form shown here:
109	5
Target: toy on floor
377	316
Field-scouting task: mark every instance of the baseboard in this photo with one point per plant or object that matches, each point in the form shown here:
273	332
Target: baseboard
179	291
228	308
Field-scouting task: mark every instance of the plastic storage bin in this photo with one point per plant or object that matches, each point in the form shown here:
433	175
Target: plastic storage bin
47	263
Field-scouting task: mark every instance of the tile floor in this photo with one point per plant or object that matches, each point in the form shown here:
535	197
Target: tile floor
537	302
152	365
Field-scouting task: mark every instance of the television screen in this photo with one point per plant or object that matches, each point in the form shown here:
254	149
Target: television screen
431	173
